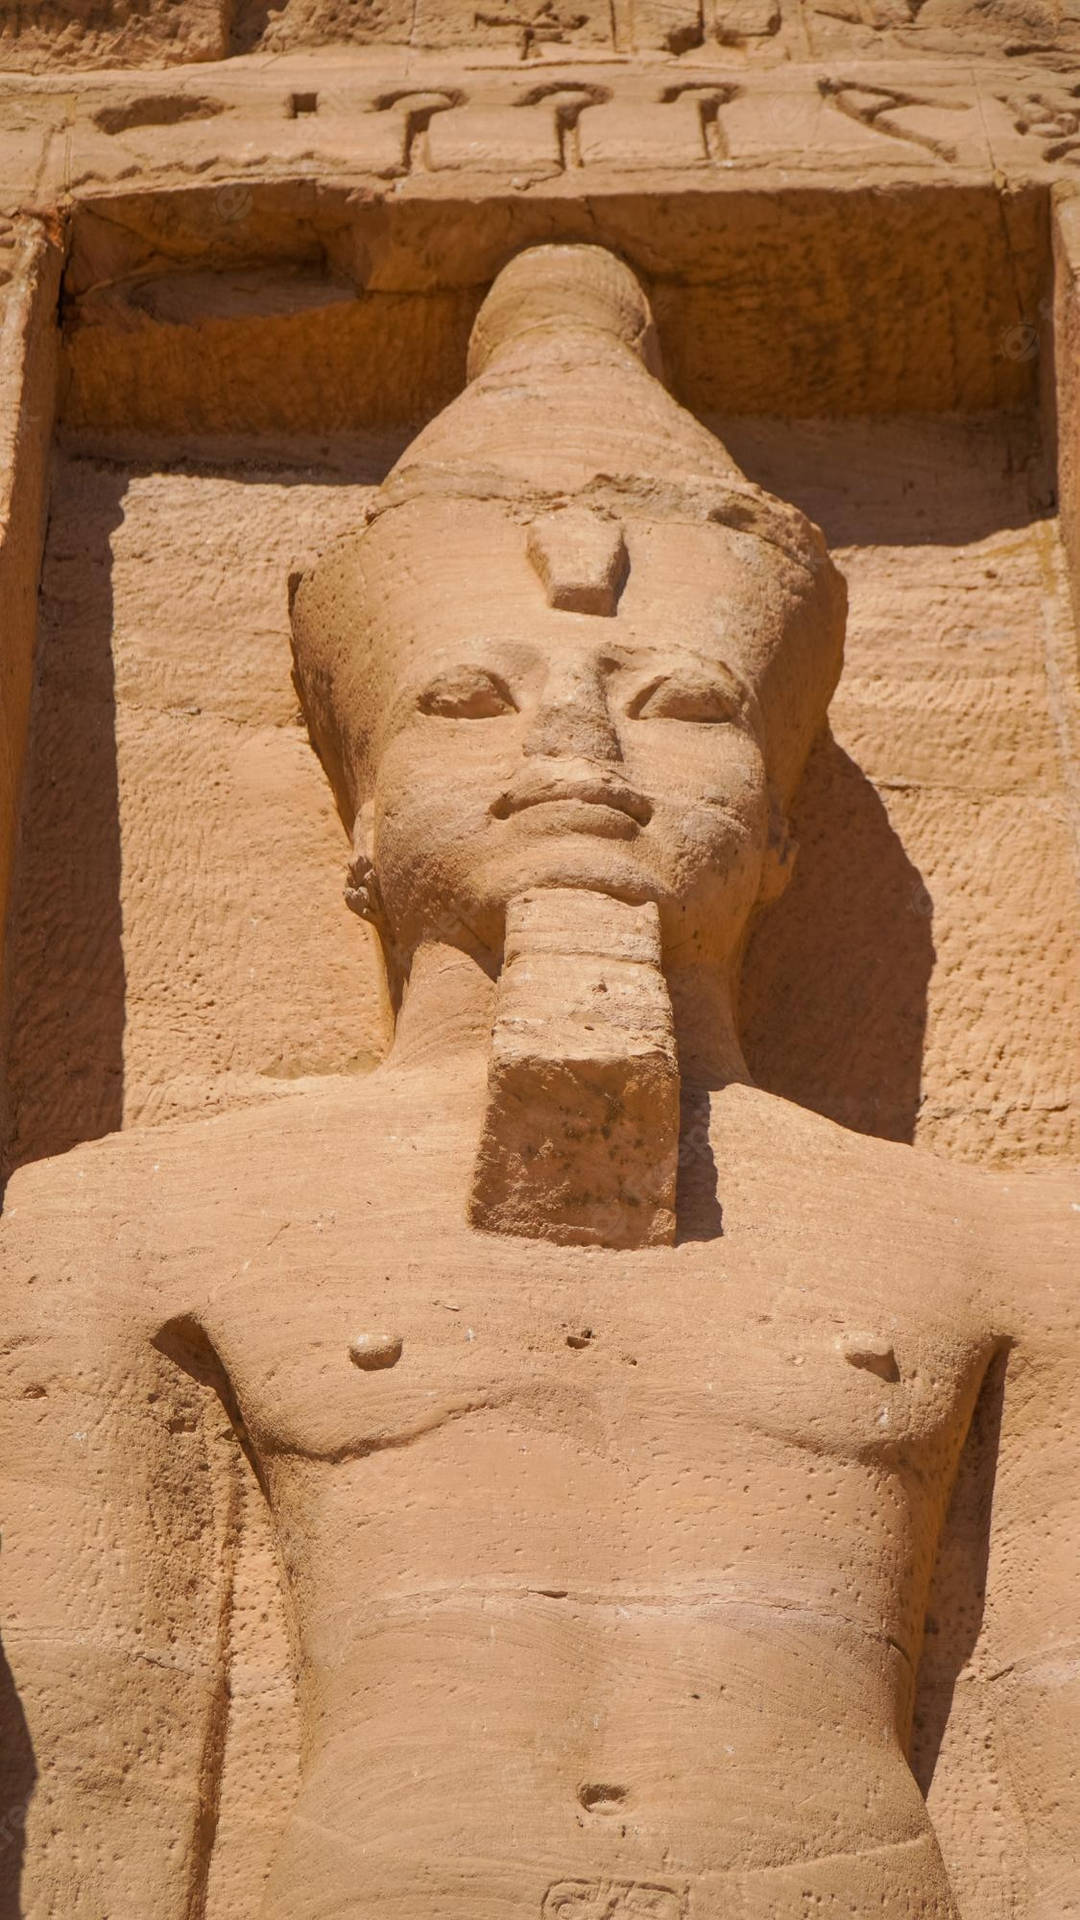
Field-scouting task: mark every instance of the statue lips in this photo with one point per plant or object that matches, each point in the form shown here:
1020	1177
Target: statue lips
584	799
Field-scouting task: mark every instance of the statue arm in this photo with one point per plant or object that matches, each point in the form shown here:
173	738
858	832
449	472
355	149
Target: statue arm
115	1498
1031	1645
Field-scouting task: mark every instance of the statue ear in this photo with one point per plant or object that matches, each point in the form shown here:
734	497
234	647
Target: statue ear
781	852
361	889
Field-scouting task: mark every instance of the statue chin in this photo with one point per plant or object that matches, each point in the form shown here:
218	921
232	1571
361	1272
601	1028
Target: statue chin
579	860
571	863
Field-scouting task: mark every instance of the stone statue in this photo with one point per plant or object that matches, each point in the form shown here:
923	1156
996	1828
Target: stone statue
607	1409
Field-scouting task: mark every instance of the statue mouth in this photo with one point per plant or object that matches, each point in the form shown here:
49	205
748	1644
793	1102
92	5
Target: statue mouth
589	790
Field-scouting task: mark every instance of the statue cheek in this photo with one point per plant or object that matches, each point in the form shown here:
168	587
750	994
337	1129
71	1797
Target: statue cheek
426	849
730	814
445	771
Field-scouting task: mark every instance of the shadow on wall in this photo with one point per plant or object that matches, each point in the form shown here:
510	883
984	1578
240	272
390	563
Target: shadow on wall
958	1594
249	22
65	966
18	1774
834	986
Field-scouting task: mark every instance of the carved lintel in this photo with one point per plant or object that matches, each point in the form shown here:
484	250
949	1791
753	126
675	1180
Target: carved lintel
581	1134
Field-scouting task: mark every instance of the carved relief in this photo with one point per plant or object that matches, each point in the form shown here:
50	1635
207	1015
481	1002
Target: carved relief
416	111
918	118
148	33
1050	115
612	1900
1013	27
606	1409
739	21
608	116
103	33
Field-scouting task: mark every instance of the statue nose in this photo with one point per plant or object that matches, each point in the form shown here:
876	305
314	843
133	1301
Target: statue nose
572	720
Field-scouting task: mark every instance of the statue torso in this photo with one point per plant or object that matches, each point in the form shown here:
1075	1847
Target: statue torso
615	1527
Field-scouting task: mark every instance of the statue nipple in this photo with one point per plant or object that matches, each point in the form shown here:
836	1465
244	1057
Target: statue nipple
581	1134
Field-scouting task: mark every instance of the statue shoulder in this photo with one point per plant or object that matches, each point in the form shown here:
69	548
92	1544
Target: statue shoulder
137	1223
68	1233
967	1235
844	1167
1017	1234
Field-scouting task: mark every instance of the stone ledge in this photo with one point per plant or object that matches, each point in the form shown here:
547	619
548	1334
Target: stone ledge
428	124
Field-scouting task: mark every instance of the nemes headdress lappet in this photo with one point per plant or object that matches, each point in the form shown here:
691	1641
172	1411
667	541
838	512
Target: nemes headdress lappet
566	430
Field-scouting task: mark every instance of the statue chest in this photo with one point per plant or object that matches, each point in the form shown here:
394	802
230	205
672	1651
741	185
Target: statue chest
576	1375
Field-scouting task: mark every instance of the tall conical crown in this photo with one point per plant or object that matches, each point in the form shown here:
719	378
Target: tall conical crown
566	398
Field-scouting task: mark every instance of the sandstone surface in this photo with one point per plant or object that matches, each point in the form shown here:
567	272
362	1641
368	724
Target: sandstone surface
461	1452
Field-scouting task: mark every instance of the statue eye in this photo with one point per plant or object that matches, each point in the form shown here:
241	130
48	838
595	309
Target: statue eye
705	701
467	693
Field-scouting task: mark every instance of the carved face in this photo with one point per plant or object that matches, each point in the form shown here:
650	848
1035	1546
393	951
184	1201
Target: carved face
518	744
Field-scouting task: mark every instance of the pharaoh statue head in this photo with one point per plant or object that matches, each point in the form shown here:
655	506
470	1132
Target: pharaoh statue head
572	645
563	682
